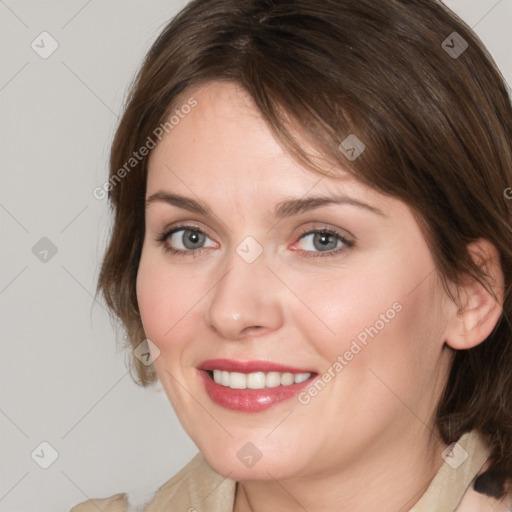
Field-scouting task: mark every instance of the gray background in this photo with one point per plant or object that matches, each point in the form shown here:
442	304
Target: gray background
63	380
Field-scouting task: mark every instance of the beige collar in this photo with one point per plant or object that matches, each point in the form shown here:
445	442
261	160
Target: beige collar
455	476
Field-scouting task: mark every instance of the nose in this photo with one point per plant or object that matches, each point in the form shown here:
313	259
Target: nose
245	301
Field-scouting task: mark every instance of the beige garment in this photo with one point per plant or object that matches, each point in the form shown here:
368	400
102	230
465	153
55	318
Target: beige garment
198	488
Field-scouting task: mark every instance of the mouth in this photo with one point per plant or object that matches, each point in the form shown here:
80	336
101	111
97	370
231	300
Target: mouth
252	386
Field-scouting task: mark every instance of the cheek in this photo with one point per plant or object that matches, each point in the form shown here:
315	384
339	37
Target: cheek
382	356
349	306
166	305
368	315
164	298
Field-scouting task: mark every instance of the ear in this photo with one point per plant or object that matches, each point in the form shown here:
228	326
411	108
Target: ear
479	311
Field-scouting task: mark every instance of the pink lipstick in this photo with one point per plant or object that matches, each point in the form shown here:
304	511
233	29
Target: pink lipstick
252	386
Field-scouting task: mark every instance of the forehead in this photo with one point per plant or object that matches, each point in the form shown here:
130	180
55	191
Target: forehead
224	145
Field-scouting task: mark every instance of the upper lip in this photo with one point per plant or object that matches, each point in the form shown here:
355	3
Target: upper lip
230	365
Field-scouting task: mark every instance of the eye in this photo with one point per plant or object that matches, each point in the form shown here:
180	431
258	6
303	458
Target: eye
184	240
324	242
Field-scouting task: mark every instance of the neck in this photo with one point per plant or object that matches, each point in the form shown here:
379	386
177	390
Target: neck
394	478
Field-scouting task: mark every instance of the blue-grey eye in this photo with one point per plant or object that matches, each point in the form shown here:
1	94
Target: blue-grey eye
189	239
321	241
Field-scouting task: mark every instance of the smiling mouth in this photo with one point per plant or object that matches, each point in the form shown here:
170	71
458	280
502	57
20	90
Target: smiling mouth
252	386
257	380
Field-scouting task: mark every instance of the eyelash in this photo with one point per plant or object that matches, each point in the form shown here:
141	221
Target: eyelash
164	235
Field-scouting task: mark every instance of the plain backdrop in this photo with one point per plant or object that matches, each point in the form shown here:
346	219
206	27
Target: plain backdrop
63	381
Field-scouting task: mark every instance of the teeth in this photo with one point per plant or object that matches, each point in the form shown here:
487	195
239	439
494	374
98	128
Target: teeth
287	379
258	380
224	379
273	379
301	377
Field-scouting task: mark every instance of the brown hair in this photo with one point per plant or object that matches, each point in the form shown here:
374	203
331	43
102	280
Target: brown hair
431	108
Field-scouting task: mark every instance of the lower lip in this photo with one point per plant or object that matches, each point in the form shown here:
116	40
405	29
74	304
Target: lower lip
250	400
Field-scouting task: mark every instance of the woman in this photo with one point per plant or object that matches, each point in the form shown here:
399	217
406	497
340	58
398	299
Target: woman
313	238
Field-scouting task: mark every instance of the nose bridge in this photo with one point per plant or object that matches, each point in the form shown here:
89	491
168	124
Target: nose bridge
245	296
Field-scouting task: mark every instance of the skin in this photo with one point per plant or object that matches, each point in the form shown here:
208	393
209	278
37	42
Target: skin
368	436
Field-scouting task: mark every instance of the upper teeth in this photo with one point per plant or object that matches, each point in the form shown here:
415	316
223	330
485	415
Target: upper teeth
257	380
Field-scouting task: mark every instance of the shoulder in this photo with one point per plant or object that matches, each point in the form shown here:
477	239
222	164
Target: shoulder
116	503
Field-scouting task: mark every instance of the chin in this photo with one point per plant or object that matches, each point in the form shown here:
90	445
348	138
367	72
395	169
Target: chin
243	461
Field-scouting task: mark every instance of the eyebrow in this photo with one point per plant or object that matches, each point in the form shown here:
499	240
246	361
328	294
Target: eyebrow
282	210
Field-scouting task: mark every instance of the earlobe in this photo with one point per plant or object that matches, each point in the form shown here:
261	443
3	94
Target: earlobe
479	311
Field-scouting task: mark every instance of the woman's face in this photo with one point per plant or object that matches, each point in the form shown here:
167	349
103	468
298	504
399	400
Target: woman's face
343	291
